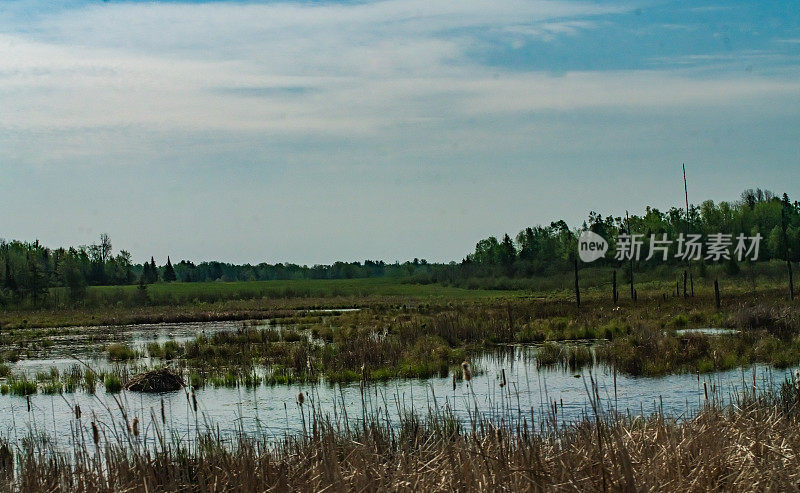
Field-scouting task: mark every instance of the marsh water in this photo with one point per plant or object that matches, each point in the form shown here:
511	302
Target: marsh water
273	410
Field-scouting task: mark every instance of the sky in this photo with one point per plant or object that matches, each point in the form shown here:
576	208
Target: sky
316	131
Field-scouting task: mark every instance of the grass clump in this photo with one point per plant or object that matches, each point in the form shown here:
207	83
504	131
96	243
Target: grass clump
568	356
120	352
548	354
154	350
169	350
21	386
90	381
680	321
52	387
113	383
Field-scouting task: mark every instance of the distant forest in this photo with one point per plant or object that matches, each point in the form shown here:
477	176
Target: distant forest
29	270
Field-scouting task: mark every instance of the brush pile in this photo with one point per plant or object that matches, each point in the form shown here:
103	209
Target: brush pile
162	380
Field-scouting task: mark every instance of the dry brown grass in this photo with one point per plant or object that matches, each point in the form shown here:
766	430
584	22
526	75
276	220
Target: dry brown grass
754	446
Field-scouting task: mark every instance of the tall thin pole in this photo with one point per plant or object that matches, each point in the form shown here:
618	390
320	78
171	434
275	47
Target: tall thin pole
788	259
686	197
628	220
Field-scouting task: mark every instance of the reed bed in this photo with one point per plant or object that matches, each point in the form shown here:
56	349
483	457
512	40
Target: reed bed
750	444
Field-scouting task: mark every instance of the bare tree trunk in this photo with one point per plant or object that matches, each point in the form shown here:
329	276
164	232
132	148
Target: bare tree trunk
685	294
628	219
614	287
577	288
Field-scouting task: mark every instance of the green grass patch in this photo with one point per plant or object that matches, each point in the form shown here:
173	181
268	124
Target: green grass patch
120	352
113	384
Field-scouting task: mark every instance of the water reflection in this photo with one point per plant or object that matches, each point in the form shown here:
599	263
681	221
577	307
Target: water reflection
538	392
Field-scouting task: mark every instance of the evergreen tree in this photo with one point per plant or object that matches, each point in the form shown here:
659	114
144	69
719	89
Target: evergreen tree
169	271
145	272
507	252
152	272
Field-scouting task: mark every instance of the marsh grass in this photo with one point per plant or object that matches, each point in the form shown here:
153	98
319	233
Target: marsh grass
120	352
19	386
568	356
112	383
750	444
422	339
90	379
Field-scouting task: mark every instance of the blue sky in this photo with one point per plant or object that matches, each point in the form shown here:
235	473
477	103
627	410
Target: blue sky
316	131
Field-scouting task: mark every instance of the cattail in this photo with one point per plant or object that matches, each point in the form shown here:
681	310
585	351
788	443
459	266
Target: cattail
194	401
28	399
301	398
163	414
95	433
77	411
136	427
467	373
503	378
454	381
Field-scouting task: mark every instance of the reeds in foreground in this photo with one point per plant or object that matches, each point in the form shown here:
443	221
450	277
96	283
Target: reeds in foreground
752	445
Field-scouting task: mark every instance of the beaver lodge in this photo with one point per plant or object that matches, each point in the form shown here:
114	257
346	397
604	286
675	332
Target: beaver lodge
162	380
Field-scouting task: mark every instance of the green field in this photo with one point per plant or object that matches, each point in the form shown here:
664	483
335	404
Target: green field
304	288
163	302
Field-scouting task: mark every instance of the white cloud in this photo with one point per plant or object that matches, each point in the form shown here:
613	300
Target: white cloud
307	69
169	66
374	118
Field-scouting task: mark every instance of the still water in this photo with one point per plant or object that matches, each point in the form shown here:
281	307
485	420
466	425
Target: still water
273	410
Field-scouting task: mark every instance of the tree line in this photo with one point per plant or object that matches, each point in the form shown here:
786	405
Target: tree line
29	270
543	250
